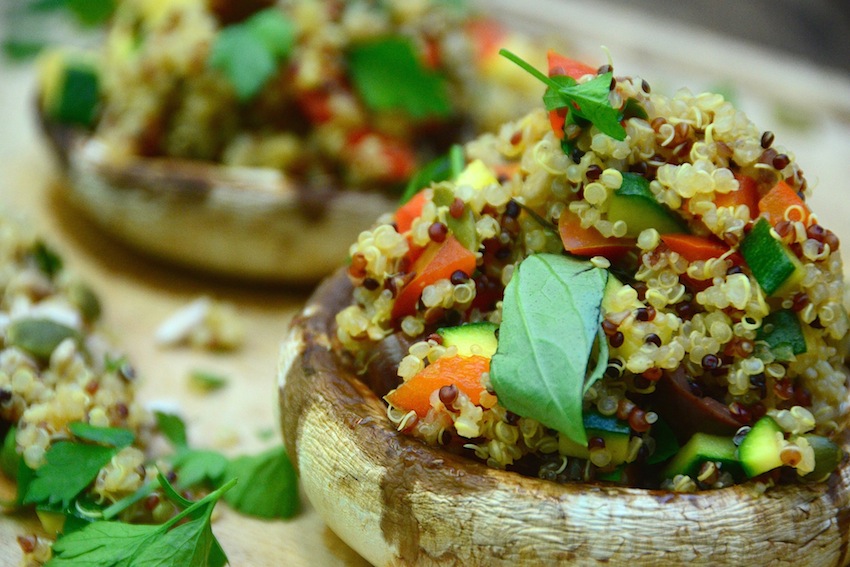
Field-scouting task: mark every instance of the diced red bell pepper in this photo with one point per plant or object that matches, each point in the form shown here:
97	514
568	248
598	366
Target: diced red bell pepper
561	65
487	37
438	261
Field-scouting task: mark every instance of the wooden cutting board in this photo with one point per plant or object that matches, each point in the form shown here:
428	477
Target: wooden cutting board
810	115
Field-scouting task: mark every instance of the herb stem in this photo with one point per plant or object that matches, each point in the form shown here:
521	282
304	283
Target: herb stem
457	160
530	68
211	497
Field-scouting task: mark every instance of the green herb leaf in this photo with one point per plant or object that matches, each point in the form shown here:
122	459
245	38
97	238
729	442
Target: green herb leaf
10	460
550	320
116	544
173	428
69	469
196	466
388	76
248	53
443	168
588	100
268	486
91	12
46	259
207	381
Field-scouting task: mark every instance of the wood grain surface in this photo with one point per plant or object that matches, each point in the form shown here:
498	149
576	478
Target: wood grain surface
807	108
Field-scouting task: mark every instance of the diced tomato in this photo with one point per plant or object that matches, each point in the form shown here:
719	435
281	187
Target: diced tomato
438	261
315	105
487	35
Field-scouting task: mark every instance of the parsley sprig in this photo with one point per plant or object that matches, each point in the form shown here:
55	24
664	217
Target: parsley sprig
587	101
104	543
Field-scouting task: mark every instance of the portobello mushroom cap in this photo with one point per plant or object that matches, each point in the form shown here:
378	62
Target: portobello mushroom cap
397	501
247	223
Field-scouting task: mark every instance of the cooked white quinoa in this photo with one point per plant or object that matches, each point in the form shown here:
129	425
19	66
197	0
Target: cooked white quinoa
700	316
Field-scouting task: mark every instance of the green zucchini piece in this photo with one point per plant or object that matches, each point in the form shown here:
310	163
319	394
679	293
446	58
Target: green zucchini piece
828	455
759	450
634	204
471	338
782	332
614	432
78	95
772	263
666	444
701	448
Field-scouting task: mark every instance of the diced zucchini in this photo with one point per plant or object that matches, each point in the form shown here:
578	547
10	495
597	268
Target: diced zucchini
52	522
666	444
471	338
782	332
634	204
699	449
760	448
827	457
614	432
39	337
71	89
772	263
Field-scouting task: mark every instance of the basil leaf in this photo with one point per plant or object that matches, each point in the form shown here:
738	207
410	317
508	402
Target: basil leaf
550	319
248	53
388	76
268	486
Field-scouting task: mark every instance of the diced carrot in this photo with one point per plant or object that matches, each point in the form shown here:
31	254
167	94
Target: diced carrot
487	37
693	248
462	371
438	261
411	210
589	241
781	202
562	65
747	194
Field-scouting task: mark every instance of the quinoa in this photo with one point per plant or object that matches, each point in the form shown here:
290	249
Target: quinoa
698	321
45	385
161	96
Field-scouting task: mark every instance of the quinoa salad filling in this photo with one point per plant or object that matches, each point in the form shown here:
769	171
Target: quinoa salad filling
339	94
625	287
